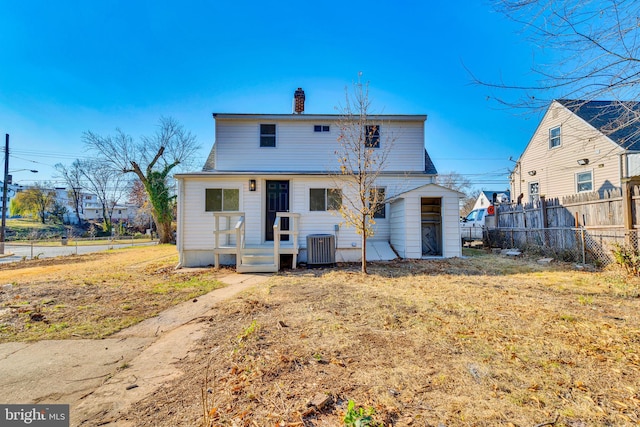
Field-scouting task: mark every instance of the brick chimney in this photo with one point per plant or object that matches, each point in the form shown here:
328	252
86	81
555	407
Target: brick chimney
298	101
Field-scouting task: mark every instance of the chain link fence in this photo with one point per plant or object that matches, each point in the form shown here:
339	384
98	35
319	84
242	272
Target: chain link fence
47	248
592	246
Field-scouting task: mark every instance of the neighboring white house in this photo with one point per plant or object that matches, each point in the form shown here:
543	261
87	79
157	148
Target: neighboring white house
91	209
266	187
486	198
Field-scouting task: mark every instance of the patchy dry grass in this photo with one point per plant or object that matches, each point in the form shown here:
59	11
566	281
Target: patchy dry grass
93	296
485	341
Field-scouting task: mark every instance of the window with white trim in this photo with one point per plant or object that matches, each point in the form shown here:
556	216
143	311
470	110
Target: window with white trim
325	199
379	198
267	135
222	199
584	181
554	137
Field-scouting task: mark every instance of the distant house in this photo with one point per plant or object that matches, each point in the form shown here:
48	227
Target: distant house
91	209
579	147
486	198
266	191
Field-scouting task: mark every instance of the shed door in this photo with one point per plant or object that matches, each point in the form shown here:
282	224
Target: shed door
277	201
431	215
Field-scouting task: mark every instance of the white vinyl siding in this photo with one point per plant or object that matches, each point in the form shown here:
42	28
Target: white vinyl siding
300	149
555	170
397	219
402	228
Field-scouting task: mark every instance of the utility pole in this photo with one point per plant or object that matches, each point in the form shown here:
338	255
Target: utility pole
4	193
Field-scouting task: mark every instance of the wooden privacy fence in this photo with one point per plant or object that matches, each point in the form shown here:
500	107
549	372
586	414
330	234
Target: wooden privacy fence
583	210
606	219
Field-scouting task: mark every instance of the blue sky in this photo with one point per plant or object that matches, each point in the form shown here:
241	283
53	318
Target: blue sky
68	67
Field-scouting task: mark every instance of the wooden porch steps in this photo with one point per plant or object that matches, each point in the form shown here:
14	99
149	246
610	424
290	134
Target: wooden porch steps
257	260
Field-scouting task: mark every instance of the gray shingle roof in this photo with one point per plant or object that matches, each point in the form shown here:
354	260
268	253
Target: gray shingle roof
429	167
210	164
620	121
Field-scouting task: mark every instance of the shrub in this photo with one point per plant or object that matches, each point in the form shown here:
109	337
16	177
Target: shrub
627	257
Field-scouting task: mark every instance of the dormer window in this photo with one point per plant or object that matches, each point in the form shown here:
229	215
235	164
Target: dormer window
554	137
267	135
372	136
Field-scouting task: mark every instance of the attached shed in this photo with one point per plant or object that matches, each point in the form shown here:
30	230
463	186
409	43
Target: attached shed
425	222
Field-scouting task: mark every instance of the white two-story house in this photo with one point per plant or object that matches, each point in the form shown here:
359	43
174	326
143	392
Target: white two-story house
269	188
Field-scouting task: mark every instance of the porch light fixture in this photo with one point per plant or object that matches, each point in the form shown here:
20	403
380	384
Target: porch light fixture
252	185
583	162
531	173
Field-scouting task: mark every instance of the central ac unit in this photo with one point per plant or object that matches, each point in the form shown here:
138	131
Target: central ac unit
321	249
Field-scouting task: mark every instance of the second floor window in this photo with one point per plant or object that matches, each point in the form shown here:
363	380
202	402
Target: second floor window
325	199
321	128
372	136
584	181
267	135
554	137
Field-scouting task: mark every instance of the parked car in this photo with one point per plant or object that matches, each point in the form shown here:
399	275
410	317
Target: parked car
472	226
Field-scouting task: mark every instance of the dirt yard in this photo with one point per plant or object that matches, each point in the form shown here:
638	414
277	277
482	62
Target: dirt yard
482	341
477	342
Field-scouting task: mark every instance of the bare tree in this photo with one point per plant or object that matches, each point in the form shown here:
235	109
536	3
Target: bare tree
138	197
458	182
590	50
361	156
109	186
72	176
151	159
468	202
455	181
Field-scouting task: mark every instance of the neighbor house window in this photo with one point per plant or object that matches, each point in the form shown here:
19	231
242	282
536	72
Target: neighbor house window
584	181
222	199
321	128
378	196
554	137
534	192
325	199
267	135
372	136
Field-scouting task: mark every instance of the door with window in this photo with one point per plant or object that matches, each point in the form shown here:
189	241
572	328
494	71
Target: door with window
534	192
277	201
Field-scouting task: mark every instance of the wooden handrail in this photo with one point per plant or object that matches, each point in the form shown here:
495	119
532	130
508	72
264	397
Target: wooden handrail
239	239
238	231
276	241
293	232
